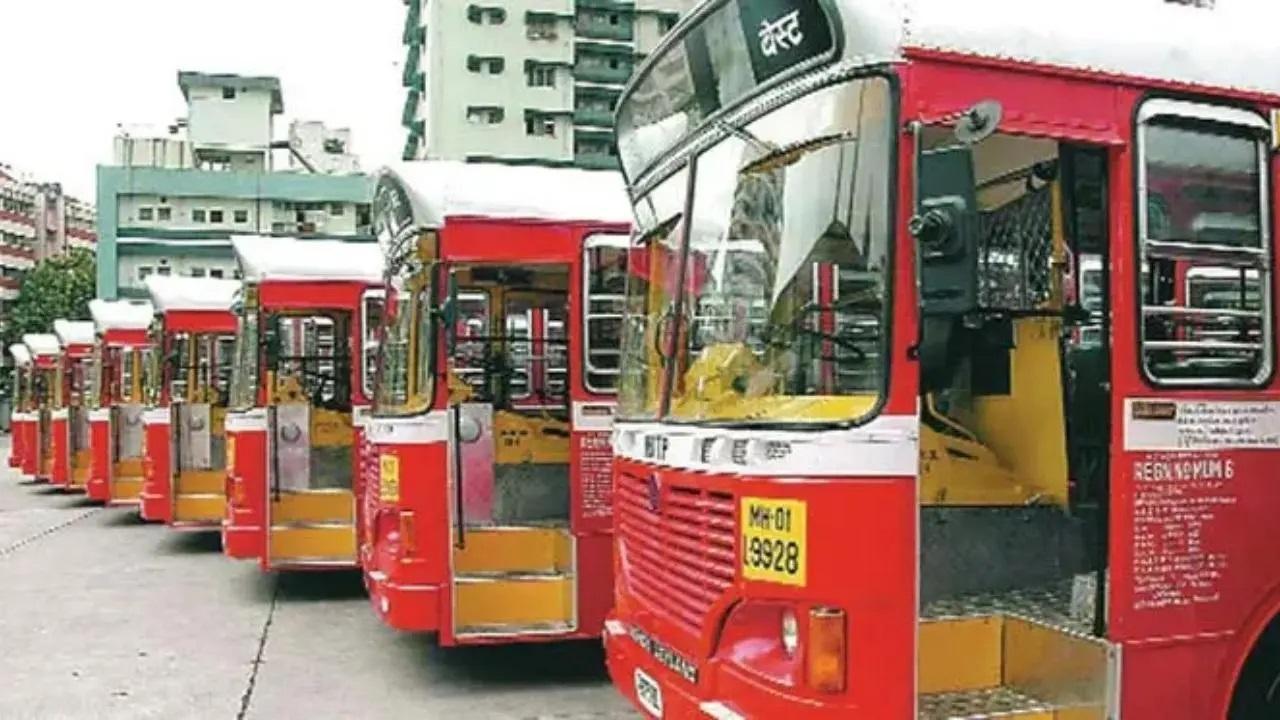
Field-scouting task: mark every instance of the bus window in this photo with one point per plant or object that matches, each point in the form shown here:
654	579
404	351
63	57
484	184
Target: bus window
393	362
244	374
1206	311
605	280
371	323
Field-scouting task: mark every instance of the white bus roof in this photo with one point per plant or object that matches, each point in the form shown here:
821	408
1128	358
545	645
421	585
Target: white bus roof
1230	45
170	293
288	258
121	314
73	332
441	189
42	343
21	354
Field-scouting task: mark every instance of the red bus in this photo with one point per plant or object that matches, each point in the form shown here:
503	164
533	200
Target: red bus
487	507
69	421
45	352
186	388
887	463
300	392
22	421
115	399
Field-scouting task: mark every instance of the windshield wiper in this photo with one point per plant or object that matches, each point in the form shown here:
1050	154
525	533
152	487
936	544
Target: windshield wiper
786	155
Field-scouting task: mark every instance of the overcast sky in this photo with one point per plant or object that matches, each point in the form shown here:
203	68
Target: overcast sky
75	69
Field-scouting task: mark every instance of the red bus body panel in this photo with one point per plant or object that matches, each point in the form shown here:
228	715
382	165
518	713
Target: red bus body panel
155	503
100	470
243	535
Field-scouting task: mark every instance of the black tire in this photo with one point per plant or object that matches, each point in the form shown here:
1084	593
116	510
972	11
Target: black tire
1257	693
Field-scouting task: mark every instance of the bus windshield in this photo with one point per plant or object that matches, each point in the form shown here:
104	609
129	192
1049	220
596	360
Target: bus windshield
783	289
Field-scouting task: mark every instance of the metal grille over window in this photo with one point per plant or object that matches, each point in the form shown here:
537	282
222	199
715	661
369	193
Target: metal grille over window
1206	251
1016	254
606	278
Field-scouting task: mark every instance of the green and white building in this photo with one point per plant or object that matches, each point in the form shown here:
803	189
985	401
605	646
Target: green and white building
523	81
171	199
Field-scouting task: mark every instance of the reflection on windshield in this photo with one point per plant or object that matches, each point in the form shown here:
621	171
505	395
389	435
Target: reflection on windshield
784	276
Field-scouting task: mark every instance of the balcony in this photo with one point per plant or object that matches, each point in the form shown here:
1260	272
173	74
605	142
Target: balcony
412	65
411	103
592	115
411	144
608	23
412	21
606	64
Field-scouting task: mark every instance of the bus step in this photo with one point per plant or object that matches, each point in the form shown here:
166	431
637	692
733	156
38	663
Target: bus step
125	489
477	632
300	540
1009	666
513	600
313	506
199	507
199	482
514	549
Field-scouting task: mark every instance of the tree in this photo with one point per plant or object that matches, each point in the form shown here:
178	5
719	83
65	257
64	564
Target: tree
56	288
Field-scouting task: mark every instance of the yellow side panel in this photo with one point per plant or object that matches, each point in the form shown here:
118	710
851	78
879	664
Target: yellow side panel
1091	712
514	550
218	416
331	428
199	508
329	543
1052	665
1027	429
958	472
80	467
513	602
960	654
128	468
326	506
528	439
197	482
126	489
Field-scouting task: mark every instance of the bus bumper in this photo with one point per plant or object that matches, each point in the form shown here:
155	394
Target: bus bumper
242	542
624	658
411	608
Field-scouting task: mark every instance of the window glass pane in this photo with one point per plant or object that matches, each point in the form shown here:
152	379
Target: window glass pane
1206	258
426	345
606	270
393	361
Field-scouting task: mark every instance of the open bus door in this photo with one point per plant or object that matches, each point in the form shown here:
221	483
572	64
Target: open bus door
514	557
38	461
70	427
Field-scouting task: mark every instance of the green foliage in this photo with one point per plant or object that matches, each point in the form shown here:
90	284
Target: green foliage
56	288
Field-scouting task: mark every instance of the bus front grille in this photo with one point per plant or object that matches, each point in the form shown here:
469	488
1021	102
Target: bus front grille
677	547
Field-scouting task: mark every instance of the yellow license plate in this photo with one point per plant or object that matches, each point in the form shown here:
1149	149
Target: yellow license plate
774	540
389	475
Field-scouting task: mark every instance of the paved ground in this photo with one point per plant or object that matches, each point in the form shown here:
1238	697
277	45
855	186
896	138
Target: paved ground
102	616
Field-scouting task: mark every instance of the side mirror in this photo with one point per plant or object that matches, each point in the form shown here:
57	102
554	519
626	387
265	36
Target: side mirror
946	229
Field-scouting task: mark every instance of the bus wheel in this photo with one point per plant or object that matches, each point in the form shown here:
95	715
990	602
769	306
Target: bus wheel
1257	693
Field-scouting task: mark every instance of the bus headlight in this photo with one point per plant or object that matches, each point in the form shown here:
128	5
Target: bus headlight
790	632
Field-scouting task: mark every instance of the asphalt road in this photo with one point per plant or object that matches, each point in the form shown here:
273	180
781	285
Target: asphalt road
102	616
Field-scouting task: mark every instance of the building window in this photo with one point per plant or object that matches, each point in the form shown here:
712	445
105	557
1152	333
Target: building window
491	65
164	270
479	14
146	214
215	273
197	272
666	22
228	93
540	27
144	271
164	214
337	209
241	217
486	115
198	215
538	124
538	75
215	217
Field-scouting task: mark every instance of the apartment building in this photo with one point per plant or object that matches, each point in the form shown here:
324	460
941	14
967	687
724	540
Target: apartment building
37	221
174	195
524	81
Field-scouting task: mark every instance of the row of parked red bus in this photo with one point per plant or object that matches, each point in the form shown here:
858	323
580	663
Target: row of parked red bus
943	346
